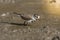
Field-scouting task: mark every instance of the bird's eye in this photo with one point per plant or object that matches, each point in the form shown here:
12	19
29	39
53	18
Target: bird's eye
37	16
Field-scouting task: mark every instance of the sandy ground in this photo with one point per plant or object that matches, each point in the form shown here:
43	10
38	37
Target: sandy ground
12	28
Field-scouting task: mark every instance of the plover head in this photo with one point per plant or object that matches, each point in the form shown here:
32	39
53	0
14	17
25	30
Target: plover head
36	16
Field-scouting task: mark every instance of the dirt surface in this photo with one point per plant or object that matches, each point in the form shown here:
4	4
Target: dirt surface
12	28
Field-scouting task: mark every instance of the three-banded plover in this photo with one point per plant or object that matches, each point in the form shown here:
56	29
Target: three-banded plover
28	18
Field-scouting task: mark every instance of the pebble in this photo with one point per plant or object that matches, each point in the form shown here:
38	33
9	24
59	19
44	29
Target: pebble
3	14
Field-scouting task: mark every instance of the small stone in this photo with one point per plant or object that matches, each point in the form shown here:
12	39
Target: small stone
3	14
14	30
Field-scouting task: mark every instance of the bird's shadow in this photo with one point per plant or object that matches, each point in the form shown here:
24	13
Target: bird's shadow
19	24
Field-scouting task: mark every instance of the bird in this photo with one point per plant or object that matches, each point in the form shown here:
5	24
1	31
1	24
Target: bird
28	18
53	1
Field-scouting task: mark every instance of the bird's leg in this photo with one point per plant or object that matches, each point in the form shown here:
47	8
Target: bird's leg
28	22
25	23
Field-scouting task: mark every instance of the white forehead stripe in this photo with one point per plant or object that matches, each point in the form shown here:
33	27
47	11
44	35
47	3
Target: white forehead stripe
38	17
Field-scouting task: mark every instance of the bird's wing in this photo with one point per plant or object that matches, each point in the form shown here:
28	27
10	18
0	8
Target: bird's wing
26	17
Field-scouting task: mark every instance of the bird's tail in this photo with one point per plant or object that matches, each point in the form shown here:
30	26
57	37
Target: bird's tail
16	13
